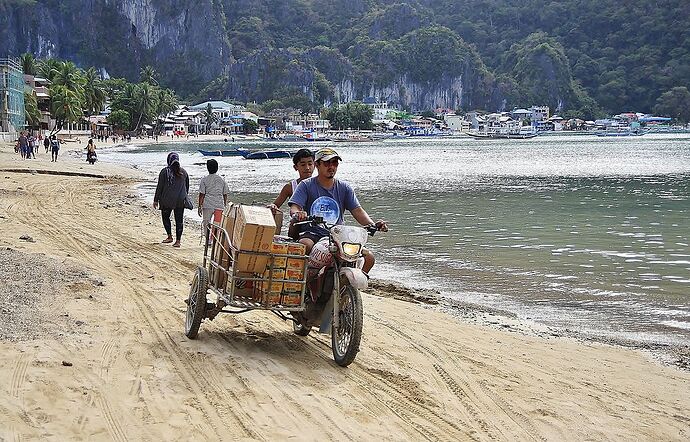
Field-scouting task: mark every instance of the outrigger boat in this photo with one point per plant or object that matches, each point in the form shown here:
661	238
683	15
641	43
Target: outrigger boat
264	154
222	153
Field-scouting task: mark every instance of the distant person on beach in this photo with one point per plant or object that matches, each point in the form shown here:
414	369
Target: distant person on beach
213	194
303	163
90	152
54	148
46	144
171	192
23	145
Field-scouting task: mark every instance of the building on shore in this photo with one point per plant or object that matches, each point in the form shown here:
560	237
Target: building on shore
38	87
12	112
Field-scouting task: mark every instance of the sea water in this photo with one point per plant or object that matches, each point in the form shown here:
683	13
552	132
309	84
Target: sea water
577	232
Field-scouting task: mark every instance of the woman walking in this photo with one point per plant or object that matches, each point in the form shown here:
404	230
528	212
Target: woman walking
171	193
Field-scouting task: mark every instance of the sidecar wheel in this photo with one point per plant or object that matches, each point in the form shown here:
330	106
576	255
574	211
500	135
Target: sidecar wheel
196	303
346	338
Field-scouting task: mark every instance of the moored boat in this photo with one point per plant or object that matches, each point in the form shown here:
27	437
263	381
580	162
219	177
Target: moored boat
265	154
222	152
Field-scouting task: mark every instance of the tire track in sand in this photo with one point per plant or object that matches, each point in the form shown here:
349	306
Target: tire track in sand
182	364
18	376
477	400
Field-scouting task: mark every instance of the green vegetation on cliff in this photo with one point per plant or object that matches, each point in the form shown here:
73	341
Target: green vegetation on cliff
579	56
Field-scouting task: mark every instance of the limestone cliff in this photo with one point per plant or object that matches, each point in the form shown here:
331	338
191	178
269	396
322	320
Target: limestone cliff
184	40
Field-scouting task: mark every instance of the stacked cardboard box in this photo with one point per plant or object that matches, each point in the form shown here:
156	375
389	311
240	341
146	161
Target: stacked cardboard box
251	230
284	293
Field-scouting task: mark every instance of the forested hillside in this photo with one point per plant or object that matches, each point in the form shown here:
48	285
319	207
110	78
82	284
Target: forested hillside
579	56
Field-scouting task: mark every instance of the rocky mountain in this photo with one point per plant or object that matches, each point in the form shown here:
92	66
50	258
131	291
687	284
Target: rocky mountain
577	56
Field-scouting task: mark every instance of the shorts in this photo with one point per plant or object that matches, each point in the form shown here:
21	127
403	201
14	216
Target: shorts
314	233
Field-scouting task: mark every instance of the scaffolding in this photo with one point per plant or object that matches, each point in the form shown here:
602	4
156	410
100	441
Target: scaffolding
12	112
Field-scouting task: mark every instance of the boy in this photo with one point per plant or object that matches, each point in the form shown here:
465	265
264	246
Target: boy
213	194
303	163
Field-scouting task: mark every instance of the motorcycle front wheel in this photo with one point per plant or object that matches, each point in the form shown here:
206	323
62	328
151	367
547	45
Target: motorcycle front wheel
346	337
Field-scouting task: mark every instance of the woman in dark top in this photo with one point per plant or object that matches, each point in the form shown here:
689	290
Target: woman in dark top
171	191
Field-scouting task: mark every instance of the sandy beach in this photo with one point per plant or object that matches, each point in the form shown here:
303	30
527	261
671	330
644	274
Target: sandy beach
92	346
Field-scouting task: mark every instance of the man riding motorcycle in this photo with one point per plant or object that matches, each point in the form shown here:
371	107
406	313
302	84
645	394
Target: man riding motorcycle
326	196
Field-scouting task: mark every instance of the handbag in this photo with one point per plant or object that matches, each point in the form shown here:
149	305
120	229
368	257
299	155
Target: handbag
188	203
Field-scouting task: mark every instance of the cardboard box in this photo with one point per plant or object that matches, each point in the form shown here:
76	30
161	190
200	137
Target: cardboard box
291	299
293	274
252	232
273	287
295	263
279	248
292	287
296	248
222	252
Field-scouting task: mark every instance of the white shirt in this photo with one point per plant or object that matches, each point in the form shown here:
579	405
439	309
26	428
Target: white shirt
213	187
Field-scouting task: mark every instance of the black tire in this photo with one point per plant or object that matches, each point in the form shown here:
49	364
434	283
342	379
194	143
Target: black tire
300	330
196	303
345	340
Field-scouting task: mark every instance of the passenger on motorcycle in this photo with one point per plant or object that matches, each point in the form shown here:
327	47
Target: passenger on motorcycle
326	196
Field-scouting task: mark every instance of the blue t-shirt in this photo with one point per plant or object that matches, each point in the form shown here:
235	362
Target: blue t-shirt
328	203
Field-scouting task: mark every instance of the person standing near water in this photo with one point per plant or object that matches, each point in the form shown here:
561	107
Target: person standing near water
213	194
171	192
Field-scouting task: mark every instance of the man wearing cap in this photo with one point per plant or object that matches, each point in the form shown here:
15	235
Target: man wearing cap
328	197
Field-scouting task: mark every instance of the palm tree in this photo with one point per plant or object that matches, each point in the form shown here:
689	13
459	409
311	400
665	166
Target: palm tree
148	75
209	116
146	103
66	106
33	115
167	102
70	76
48	68
28	63
94	93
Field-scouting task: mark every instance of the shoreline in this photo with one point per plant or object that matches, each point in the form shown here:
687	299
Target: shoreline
677	355
115	315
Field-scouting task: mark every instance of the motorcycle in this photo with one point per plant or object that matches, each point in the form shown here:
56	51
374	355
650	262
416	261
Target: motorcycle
334	279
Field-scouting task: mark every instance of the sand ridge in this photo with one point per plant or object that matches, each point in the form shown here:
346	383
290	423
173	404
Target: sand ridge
421	374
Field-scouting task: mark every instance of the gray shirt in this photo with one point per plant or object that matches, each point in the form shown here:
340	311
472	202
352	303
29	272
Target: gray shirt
213	187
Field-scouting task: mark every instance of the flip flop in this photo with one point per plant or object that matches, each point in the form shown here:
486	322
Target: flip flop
167	241
177	244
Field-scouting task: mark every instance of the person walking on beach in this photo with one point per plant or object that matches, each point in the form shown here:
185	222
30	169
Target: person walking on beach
55	148
171	193
46	143
213	194
24	145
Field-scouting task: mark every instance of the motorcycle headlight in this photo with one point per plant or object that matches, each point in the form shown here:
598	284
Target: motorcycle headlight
351	249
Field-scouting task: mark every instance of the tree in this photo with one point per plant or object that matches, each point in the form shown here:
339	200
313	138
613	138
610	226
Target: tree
94	93
48	68
33	115
148	75
167	102
674	103
209	117
66	106
250	126
119	119
146	103
70	76
28	64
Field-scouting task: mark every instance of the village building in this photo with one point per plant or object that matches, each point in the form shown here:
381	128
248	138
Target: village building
12	113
